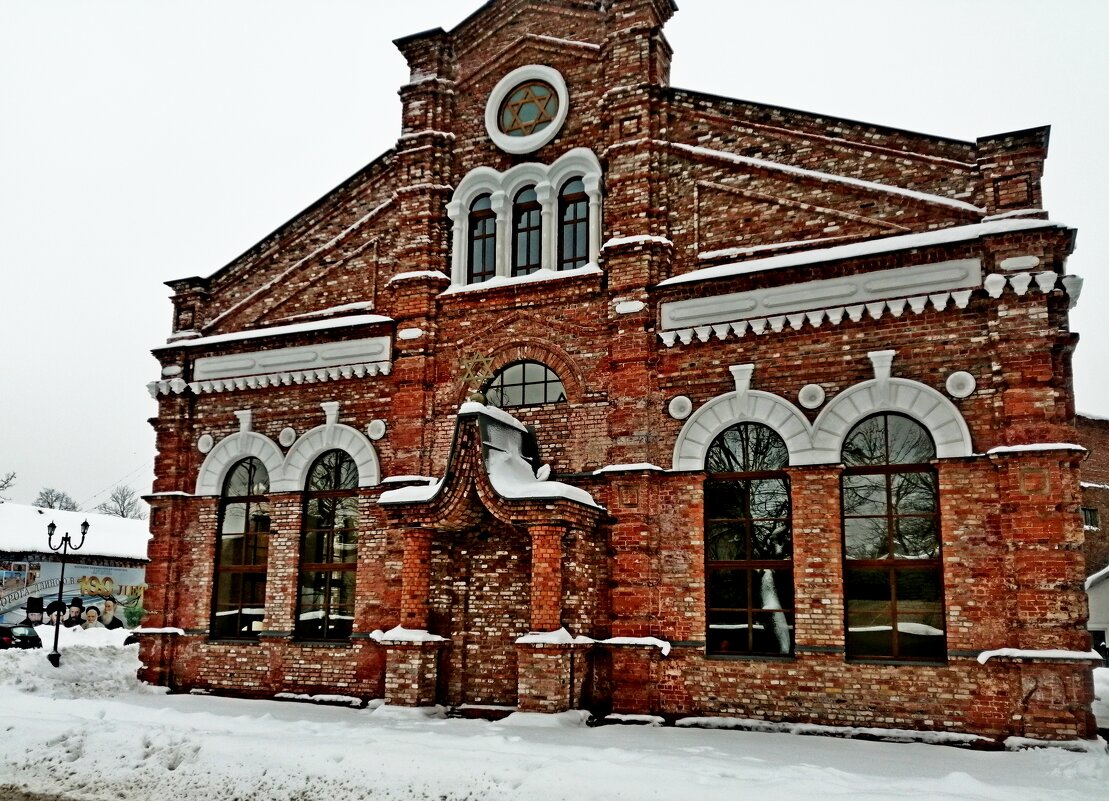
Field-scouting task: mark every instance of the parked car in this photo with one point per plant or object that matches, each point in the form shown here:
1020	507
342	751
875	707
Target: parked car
19	637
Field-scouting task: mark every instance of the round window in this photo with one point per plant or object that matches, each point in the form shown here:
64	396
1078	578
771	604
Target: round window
527	108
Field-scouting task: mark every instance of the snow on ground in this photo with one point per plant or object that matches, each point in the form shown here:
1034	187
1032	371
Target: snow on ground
90	732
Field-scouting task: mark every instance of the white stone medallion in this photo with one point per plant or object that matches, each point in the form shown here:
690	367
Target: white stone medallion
680	407
287	436
376	429
205	443
811	396
960	384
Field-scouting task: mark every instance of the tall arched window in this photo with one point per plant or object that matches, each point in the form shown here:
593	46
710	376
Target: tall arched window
573	225
242	549
748	543
328	549
482	241
893	574
527	232
524	384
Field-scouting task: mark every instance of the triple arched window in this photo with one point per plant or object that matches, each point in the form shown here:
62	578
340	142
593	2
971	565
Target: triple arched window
529	218
748	543
893	573
242	551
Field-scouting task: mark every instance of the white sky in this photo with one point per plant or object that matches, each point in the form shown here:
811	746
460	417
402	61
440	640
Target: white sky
147	140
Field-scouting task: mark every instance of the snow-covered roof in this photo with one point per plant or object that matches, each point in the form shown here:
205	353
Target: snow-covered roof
870	247
279	330
23	528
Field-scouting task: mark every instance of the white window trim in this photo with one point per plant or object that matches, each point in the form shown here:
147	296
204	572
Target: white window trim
502	188
526	144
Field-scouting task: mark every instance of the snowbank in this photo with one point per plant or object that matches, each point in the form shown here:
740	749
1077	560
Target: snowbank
94	664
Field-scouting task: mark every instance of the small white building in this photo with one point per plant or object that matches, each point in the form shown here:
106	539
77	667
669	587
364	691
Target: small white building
1097	589
111	561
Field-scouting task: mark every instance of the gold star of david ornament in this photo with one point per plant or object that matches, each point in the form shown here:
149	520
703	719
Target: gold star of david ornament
475	368
530	108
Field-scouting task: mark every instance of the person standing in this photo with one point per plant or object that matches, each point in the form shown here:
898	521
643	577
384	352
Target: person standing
109	618
34	612
92	618
76	609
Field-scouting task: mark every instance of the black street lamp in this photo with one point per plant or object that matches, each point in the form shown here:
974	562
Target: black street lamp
64	546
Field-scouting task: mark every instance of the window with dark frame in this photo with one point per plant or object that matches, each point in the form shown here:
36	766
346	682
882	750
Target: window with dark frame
328	549
242	551
527	232
893	573
481	264
573	222
748	544
1090	517
524	383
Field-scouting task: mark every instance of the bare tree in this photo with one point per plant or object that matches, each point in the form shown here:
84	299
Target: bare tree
6	481
123	502
49	498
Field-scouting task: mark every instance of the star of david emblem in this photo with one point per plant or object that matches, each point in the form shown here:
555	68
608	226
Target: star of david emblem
530	108
475	368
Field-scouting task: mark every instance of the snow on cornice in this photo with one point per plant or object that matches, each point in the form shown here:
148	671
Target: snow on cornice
1052	654
495	412
364	305
870	247
637	239
500	281
1036	446
730	253
281	330
1097	418
627	468
23	528
418	274
1091	485
827	177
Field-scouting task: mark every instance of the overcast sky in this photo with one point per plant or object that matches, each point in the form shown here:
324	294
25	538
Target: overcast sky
147	140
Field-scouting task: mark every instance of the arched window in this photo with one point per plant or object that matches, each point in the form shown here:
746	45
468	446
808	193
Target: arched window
573	225
893	575
242	549
748	543
527	232
482	239
524	384
328	549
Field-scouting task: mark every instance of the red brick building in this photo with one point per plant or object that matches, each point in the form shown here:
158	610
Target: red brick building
1092	432
772	412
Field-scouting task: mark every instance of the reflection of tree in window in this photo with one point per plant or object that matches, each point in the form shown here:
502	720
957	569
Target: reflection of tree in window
482	241
525	383
527	232
329	549
573	222
891	540
242	549
748	543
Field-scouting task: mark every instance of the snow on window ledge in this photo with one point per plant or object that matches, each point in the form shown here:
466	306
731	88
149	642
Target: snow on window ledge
1036	446
544	274
401	634
563	637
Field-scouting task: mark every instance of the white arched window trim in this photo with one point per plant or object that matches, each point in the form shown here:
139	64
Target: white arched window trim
502	188
288	474
228	452
822	441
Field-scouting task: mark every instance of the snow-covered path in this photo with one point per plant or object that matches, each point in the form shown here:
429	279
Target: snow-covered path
85	735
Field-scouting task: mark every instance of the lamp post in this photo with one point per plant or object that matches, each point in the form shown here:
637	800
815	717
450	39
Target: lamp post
64	546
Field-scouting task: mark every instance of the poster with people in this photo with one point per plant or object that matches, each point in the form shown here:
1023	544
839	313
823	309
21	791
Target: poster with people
110	597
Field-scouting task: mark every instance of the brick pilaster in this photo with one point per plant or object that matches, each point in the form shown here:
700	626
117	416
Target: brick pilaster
415	578
546	576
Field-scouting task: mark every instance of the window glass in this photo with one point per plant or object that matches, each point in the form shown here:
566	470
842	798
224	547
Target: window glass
527	232
573	217
524	383
481	241
748	543
242	550
329	549
893	574
528	109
